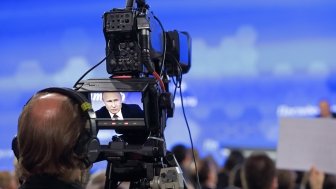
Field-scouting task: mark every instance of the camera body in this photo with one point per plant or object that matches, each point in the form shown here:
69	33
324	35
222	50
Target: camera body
140	56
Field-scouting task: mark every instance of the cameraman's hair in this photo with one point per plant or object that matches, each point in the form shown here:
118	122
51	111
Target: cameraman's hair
46	146
258	172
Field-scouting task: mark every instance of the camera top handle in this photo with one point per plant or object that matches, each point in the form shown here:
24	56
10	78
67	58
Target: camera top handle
129	4
140	4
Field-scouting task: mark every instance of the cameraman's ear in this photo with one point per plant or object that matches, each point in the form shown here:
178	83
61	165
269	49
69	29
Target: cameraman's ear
15	147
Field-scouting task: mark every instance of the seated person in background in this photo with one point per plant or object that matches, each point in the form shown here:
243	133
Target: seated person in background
115	109
234	178
317	179
329	181
286	179
235	159
208	174
49	129
184	158
258	172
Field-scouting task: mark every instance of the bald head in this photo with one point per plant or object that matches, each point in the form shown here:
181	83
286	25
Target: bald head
49	128
47	106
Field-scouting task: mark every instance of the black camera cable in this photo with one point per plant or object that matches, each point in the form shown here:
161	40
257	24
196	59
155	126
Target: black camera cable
191	141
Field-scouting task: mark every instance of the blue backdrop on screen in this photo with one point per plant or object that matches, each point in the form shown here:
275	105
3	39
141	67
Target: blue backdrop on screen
252	62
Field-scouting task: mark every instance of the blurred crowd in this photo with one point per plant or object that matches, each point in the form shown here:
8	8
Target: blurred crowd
256	171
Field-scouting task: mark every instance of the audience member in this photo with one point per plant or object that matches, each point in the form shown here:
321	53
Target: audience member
329	182
258	172
286	179
235	177
208	174
184	158
316	179
235	159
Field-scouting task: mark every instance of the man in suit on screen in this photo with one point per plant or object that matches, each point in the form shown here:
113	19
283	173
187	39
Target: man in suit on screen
115	109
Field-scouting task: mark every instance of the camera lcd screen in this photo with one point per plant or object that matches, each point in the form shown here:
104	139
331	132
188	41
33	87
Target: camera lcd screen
117	112
114	110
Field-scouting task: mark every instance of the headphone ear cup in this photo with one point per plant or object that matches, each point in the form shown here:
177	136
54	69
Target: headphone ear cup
88	148
80	146
93	151
15	147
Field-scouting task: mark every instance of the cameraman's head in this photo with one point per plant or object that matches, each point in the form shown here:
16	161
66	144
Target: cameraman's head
112	101
49	128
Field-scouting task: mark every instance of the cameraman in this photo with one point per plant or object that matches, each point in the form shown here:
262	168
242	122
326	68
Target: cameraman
48	131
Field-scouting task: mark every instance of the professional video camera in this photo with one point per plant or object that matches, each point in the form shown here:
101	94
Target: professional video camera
141	58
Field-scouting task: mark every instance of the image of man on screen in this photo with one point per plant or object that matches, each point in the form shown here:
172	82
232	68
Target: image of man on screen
116	110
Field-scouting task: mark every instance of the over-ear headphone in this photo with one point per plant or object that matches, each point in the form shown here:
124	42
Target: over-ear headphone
88	145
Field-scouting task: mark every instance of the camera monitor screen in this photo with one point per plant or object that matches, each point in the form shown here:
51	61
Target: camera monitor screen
127	106
118	111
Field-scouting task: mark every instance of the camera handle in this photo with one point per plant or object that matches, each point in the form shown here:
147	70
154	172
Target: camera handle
129	4
140	3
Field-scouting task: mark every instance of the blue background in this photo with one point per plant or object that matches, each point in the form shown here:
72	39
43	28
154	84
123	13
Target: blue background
253	61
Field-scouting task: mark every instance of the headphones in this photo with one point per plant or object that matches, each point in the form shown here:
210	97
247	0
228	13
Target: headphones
88	144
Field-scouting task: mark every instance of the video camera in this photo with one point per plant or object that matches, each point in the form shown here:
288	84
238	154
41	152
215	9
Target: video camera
141	57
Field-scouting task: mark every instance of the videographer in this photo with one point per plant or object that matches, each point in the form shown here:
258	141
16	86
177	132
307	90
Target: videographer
115	109
50	133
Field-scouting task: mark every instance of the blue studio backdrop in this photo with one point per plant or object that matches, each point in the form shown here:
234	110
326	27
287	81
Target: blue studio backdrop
253	61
